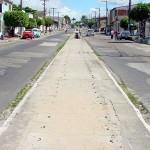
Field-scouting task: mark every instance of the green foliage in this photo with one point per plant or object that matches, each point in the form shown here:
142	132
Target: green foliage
73	19
15	7
140	12
32	23
29	10
67	19
90	24
16	19
84	20
48	21
77	23
124	23
26	9
40	22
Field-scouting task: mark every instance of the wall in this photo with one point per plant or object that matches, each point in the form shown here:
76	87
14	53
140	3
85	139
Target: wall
147	29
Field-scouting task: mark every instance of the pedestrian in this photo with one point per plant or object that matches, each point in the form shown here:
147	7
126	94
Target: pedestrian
116	34
112	33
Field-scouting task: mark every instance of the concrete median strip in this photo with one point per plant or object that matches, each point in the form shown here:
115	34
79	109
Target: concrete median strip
147	126
5	125
75	105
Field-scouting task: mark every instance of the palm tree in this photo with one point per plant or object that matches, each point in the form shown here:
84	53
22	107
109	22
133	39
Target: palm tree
67	19
73	19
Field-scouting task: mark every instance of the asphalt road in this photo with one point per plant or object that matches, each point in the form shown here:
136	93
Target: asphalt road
21	60
128	60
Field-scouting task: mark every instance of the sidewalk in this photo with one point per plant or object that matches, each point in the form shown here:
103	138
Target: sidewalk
76	106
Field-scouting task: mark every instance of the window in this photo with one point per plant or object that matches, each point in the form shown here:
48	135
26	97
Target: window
0	8
0	26
10	8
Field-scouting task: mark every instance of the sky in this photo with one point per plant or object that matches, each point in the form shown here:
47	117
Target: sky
77	8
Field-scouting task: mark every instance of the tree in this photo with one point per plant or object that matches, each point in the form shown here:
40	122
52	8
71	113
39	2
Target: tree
32	23
124	23
15	19
26	9
48	22
67	19
16	7
141	13
90	24
84	20
29	10
39	22
78	23
73	19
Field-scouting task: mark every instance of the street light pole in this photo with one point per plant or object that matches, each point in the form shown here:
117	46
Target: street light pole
95	18
58	19
91	17
128	14
49	12
106	13
99	18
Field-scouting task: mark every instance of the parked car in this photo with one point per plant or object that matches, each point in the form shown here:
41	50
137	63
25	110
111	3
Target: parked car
124	35
90	32
28	33
37	32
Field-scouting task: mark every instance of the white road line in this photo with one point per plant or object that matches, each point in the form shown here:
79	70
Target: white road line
49	44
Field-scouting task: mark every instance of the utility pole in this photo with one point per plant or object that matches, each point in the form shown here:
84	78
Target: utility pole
20	5
44	12
49	12
99	24
53	12
128	14
21	10
44	8
58	20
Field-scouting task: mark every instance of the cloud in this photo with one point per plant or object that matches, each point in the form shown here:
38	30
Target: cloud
37	4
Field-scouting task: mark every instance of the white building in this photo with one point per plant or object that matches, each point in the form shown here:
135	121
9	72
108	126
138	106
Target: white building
5	5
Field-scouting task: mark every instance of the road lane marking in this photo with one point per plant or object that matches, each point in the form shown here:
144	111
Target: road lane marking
49	44
143	67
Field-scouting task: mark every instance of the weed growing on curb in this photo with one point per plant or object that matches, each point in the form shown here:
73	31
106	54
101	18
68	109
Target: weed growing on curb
20	95
134	99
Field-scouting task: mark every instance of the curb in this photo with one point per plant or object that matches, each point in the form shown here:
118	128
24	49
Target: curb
6	123
139	115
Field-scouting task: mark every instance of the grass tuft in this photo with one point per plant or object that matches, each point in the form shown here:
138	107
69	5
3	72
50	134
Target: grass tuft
134	99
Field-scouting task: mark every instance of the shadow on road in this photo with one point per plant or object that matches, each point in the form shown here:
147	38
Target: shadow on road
120	42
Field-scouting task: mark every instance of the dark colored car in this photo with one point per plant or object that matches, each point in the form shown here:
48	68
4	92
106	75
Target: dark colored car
28	34
124	35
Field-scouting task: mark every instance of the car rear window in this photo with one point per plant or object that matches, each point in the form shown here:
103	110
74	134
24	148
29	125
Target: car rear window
28	30
126	32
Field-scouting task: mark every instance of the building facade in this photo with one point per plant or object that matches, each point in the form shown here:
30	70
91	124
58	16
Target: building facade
5	5
116	14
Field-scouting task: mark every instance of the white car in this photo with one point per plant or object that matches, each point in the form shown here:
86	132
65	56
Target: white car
90	32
